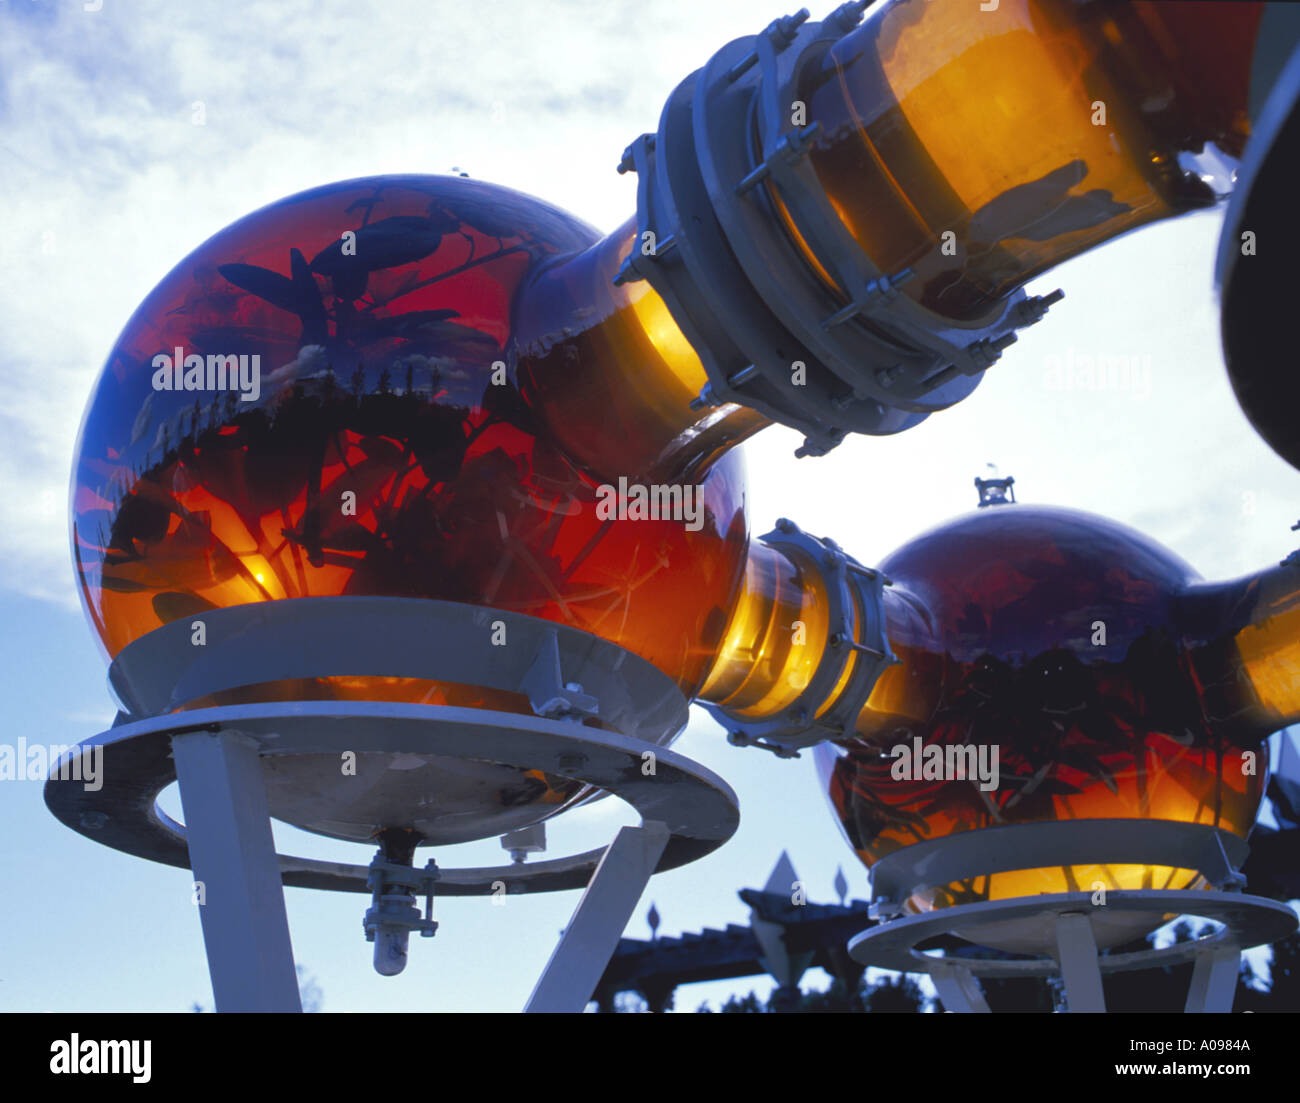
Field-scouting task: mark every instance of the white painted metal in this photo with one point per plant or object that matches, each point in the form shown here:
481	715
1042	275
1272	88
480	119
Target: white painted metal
958	990
1076	949
1214	980
589	941
232	854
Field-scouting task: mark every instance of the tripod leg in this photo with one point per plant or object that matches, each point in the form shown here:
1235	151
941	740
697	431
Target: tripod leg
232	854
1214	980
584	950
958	989
1076	948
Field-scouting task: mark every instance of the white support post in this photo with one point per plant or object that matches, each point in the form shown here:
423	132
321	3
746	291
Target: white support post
232	854
959	990
589	941
1214	980
1076	947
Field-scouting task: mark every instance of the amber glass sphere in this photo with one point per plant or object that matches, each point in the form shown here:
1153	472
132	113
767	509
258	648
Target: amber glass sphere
385	448
1054	635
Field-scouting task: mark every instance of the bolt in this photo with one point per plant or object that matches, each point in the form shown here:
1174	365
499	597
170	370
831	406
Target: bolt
886	376
783	31
753	178
743	376
847	16
808	448
705	398
626	274
884	287
800	138
1030	311
987	352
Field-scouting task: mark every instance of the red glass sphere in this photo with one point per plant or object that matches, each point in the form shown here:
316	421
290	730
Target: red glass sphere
321	400
1053	635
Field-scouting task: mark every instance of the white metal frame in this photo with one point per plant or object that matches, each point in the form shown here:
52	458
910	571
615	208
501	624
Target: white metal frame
214	754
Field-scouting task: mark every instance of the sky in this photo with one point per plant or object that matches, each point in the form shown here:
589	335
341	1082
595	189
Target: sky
131	132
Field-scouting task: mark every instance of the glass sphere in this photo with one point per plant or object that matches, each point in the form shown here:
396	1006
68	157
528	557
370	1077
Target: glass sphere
1052	634
321	400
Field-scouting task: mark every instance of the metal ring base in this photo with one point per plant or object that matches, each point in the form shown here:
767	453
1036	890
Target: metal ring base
1247	921
699	809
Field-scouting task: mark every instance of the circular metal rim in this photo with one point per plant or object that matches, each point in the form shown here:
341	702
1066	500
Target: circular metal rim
1214	853
699	809
734	308
1247	921
721	119
856	614
924	335
314	637
724	121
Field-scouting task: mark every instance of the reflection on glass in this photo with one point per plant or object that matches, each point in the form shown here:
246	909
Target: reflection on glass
979	148
385	448
1112	681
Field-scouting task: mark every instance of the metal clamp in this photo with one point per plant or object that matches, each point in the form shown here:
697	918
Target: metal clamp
392	915
939	351
770	335
856	638
549	694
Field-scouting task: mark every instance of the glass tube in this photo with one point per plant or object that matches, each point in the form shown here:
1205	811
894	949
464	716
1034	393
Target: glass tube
980	148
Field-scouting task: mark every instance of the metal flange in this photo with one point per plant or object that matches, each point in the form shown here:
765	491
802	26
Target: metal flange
932	863
319	637
699	808
869	360
1247	921
568	675
856	637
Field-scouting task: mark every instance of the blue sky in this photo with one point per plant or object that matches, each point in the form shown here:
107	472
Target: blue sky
107	181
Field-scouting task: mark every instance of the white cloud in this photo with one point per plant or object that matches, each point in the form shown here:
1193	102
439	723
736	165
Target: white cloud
1180	464
110	184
